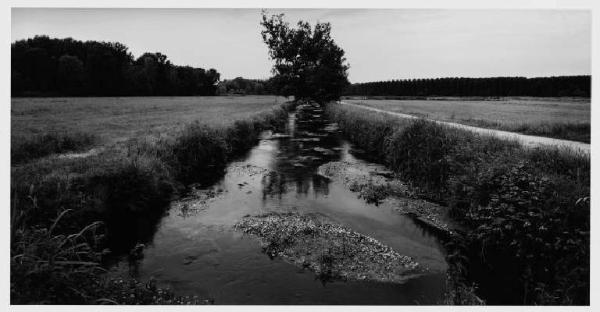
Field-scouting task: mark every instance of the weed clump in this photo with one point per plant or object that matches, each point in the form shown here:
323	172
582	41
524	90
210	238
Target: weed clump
47	268
24	149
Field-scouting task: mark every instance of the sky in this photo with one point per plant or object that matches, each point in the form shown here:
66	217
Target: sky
380	44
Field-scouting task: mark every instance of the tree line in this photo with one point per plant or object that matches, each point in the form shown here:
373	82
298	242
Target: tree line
496	86
44	66
243	86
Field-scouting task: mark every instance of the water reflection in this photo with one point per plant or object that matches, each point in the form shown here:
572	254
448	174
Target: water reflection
196	252
311	142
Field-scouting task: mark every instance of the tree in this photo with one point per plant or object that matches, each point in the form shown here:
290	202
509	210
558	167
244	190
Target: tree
308	63
494	86
70	75
43	66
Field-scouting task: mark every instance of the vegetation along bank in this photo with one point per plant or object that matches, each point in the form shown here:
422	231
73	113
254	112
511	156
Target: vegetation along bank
66	211
526	211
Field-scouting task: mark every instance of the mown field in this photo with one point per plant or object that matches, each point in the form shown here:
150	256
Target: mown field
118	118
562	118
44	126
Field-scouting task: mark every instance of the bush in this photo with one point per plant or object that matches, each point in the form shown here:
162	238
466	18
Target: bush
421	153
199	153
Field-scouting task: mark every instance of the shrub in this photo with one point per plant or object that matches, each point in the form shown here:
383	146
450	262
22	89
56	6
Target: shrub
199	153
421	153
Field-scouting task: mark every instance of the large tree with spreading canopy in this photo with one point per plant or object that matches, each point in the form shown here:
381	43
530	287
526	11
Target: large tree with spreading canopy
308	63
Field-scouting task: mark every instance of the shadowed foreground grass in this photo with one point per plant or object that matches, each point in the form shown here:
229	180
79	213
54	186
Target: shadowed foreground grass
58	205
527	210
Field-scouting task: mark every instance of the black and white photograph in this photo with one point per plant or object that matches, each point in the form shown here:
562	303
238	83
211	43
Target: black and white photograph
302	154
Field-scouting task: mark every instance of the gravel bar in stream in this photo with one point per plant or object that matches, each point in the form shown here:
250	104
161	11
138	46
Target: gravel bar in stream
328	249
377	185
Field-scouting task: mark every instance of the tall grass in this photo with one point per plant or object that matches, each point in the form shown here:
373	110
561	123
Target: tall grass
119	186
580	132
49	268
24	149
527	210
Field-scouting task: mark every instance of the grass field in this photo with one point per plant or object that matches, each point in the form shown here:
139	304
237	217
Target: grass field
562	118
165	144
118	118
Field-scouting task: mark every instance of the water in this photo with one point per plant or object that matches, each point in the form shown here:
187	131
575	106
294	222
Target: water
194	250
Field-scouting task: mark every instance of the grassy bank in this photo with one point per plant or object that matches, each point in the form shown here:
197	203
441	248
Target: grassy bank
56	242
527	210
580	132
25	149
560	118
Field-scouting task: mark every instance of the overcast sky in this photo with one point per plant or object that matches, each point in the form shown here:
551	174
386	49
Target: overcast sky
379	44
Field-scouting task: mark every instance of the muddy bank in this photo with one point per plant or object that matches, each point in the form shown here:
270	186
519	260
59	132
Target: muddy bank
376	184
330	250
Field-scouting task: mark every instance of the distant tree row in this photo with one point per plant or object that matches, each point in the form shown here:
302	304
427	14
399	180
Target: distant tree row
241	85
497	86
43	66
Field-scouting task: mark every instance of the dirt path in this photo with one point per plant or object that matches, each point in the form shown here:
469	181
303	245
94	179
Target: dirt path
525	140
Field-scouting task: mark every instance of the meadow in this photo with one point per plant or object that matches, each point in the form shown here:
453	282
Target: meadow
64	210
561	118
43	126
119	118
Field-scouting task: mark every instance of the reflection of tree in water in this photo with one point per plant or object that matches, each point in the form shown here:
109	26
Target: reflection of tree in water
128	233
311	145
273	184
320	185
